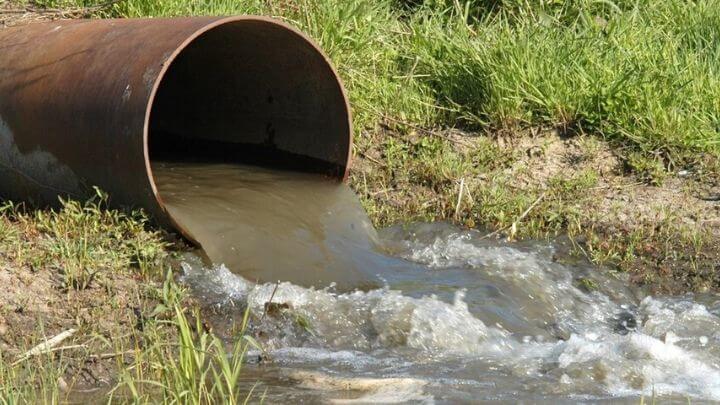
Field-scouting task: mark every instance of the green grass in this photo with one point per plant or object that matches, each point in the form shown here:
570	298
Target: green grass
191	366
81	242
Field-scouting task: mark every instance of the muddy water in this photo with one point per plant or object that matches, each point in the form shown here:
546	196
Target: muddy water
269	225
460	318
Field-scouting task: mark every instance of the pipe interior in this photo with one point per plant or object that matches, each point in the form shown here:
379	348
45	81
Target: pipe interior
252	92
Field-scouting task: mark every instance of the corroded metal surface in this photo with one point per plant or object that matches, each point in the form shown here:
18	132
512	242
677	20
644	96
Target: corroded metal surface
80	99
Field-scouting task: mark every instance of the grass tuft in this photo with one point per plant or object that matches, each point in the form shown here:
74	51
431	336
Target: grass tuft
80	241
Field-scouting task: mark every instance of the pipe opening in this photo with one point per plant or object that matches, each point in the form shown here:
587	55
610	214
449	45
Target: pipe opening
254	91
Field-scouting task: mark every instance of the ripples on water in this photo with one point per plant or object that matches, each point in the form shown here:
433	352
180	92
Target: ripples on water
461	319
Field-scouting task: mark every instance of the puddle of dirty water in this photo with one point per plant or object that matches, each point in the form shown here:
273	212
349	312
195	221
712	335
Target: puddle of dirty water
456	318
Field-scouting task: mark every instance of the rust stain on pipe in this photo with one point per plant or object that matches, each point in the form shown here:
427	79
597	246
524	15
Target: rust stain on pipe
90	102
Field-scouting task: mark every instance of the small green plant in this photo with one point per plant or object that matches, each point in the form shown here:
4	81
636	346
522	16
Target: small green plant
588	285
649	169
198	369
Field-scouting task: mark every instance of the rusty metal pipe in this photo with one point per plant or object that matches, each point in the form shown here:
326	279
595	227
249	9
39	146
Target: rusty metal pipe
91	102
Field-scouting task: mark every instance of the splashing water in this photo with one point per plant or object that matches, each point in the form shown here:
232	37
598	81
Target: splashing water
460	319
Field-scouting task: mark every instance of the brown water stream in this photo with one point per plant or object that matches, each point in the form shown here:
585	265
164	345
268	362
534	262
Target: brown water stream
269	225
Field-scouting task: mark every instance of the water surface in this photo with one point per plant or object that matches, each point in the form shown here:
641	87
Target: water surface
456	317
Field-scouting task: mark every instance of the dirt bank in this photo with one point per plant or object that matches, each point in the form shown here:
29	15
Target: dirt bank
103	324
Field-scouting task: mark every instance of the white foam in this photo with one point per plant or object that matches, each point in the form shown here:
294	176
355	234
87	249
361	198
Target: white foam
673	349
637	364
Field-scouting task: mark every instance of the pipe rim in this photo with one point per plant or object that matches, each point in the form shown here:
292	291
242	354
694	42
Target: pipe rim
169	61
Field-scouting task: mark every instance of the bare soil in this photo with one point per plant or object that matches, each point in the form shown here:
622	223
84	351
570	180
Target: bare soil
107	320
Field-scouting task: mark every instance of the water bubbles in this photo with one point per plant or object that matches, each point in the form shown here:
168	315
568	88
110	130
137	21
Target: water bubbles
565	379
507	318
